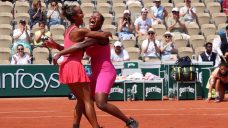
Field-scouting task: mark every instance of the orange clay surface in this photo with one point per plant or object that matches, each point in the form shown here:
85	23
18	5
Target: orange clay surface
58	113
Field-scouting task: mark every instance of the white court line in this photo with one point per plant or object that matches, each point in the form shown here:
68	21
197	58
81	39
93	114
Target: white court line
134	109
106	115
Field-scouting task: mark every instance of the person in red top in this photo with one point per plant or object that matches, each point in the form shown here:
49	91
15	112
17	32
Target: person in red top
225	6
71	70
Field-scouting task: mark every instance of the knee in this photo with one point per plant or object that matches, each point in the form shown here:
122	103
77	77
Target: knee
101	105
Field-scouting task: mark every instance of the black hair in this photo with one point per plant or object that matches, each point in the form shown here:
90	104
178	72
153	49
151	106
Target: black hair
20	45
208	43
68	11
223	64
42	23
102	17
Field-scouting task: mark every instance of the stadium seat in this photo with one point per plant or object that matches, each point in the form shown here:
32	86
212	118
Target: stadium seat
197	41
149	5
4	53
210	38
40	53
108	18
208	29
193	29
219	18
221	26
185	51
6	62
5	29
41	62
180	43
6	7
200	7
133	53
6	18
19	16
58	39
87	8
103	7
118	8
129	43
5	41
179	5
21	7
168	6
213	7
159	29
57	29
86	18
134	9
198	51
110	28
203	18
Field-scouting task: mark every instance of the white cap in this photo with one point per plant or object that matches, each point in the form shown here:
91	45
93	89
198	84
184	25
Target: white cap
168	33
157	0
144	10
175	10
118	43
126	11
151	30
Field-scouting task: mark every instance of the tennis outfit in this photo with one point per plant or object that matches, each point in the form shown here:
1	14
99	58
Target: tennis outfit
71	69
103	72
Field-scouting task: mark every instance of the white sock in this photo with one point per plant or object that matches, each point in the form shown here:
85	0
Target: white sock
217	94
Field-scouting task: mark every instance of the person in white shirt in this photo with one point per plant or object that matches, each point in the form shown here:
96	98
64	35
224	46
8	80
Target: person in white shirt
208	55
54	14
21	57
21	35
188	12
118	53
151	47
143	23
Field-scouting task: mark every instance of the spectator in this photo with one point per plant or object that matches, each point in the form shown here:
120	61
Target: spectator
222	41
125	26
208	55
21	57
41	34
151	46
143	23
54	14
225	6
119	54
188	12
168	48
218	80
37	14
158	13
176	24
21	35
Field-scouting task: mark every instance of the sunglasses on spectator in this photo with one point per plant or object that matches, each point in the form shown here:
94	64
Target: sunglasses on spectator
20	49
151	33
168	36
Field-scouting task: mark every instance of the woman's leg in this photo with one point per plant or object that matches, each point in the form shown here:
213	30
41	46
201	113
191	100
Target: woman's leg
101	102
217	89
78	111
82	92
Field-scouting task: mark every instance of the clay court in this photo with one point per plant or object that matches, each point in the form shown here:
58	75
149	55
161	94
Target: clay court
57	113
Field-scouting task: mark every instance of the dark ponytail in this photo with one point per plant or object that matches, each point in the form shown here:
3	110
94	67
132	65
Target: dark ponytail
68	11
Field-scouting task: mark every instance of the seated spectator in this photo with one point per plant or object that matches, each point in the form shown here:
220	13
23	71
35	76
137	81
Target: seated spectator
158	13
176	24
168	48
188	12
208	55
41	34
21	57
225	6
37	14
218	80
125	26
119	54
143	23
21	35
54	14
151	46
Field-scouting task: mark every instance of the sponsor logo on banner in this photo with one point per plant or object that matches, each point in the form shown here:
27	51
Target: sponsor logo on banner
26	80
186	89
117	89
131	64
152	89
